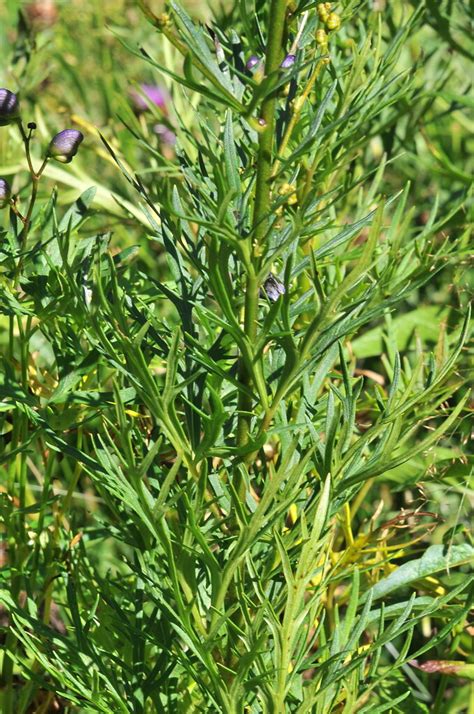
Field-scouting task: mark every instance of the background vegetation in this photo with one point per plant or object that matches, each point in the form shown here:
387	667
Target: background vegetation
204	510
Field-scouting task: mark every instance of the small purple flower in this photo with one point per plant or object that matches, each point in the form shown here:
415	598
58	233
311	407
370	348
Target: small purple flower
165	134
288	62
252	62
9	107
65	145
273	288
155	95
5	192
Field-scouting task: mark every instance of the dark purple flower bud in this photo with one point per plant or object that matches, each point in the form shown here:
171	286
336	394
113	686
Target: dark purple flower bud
155	95
273	288
252	62
288	62
31	125
5	192
9	107
65	145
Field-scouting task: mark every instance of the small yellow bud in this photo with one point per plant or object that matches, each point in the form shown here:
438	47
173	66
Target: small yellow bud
321	8
327	6
333	22
298	104
164	20
287	189
293	514
321	37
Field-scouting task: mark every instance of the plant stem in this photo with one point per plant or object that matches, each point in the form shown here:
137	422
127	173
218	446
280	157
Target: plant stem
273	57
19	472
297	107
262	205
35	177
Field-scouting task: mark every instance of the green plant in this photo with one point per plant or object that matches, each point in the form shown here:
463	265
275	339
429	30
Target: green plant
216	404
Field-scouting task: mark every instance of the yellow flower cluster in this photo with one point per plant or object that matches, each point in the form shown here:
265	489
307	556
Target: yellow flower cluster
330	19
332	22
288	190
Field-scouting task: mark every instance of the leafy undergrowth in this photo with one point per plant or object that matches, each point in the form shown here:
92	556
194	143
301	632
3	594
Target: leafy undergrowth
234	405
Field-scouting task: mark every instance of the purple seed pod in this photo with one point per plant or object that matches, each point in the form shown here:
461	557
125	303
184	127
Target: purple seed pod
5	192
252	62
9	107
156	95
288	62
273	288
64	145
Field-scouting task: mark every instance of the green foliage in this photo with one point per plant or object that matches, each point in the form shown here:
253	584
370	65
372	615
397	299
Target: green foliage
220	492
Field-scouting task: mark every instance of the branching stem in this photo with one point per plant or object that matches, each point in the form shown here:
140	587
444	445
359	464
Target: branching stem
262	206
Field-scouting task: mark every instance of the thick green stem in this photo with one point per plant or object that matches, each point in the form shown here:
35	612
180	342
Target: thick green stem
273	56
262	205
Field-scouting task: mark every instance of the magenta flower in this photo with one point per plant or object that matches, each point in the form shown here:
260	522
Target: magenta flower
64	145
9	107
155	95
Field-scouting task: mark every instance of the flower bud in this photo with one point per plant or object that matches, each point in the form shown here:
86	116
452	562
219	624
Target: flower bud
321	37
323	12
333	22
273	288
252	62
5	192
163	20
64	145
289	191
9	107
288	62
